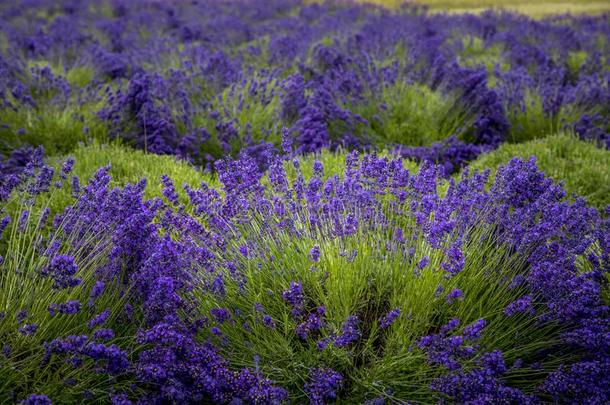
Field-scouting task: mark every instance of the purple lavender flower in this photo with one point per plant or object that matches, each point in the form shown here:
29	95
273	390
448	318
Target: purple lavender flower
268	321
69	308
21	315
523	304
312	324
294	297
349	332
28	329
37	399
169	190
67	166
314	254
388	319
221	314
103	335
4	222
323	343
323	386
97	290
23	220
455	294
456	259
75	186
99	319
474	331
62	270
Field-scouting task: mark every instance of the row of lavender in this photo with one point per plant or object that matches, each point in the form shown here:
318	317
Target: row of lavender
226	295
203	79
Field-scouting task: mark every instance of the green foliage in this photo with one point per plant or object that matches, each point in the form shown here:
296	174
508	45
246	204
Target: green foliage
475	53
24	289
80	76
582	166
413	115
57	130
334	163
58	122
252	109
534	122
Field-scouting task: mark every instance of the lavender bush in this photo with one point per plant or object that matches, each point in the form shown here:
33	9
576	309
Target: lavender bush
378	284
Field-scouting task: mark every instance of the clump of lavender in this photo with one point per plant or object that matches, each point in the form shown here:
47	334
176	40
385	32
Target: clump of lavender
323	386
62	270
295	298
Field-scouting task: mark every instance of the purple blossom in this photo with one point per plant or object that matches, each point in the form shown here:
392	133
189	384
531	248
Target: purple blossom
28	329
99	319
97	290
103	335
221	314
455	294
68	308
37	399
523	304
67	167
388	319
312	324
323	386
314	254
169	191
474	331
268	321
295	298
62	270
4	222
349	332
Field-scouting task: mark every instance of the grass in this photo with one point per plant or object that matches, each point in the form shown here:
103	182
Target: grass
412	114
582	166
255	117
536	9
129	166
57	121
57	130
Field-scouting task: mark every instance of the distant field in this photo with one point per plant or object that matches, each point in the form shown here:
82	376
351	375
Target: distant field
533	8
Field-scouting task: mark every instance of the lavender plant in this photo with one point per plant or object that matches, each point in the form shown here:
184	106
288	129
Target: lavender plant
364	286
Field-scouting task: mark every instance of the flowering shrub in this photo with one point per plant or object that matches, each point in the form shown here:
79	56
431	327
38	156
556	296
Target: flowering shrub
375	284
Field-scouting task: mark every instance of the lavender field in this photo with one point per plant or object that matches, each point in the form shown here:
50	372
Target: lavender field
287	201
